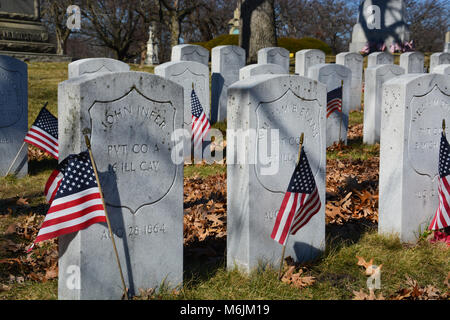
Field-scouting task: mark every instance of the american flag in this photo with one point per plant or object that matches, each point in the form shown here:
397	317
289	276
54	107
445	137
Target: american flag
200	122
44	133
74	196
300	203
442	216
334	101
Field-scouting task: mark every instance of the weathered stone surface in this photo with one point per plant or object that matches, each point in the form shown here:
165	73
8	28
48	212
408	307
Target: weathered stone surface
413	107
259	69
190	52
131	116
412	62
304	59
274	55
380	21
256	184
378	58
226	62
354	61
442	69
96	66
333	75
439	58
375	77
13	115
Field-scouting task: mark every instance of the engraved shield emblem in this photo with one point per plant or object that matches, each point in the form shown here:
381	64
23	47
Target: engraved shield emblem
131	143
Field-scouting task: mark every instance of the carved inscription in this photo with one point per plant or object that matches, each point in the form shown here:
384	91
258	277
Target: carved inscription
291	115
131	141
134	231
425	130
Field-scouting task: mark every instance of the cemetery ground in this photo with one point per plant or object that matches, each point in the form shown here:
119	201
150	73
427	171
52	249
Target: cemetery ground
408	271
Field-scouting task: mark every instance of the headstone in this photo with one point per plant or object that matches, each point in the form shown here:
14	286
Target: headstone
442	69
263	104
226	62
304	59
439	58
92	66
354	61
377	58
190	52
412	62
447	42
152	56
235	23
375	77
332	76
131	117
380	22
259	69
413	107
274	55
13	115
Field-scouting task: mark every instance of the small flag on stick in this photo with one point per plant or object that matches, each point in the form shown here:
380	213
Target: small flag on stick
300	203
74	196
200	122
441	218
43	134
334	101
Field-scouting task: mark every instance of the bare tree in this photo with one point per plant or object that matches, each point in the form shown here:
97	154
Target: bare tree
113	23
257	27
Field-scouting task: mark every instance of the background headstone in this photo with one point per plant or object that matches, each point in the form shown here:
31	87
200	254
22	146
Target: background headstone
442	69
377	58
304	59
291	104
226	61
354	61
190	52
412	62
13	115
380	22
447	42
413	107
259	69
131	116
439	58
152	55
332	76
375	77
274	55
92	66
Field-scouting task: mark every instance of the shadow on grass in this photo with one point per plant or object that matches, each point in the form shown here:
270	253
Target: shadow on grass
349	232
38	166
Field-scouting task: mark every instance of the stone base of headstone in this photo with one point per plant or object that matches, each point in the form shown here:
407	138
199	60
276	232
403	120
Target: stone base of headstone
37	57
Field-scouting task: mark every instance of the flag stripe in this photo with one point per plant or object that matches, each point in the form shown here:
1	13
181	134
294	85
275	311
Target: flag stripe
72	216
283	216
287	226
45	135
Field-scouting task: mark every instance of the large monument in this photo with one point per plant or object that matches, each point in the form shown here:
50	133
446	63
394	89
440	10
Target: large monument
381	23
22	34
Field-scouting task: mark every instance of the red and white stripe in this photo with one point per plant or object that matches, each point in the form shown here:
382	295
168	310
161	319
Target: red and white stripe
72	213
200	128
307	211
334	105
442	216
41	139
52	185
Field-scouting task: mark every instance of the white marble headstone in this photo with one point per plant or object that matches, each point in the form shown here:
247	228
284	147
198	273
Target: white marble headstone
190	52
332	75
378	58
354	61
375	77
259	69
439	58
274	55
226	62
266	103
92	66
442	69
412	62
131	117
413	107
13	116
304	59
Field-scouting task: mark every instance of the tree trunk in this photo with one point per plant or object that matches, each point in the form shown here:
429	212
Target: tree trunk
175	30
257	27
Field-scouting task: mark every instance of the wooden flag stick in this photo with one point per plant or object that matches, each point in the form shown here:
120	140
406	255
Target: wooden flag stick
125	289
287	237
20	150
342	113
443	127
